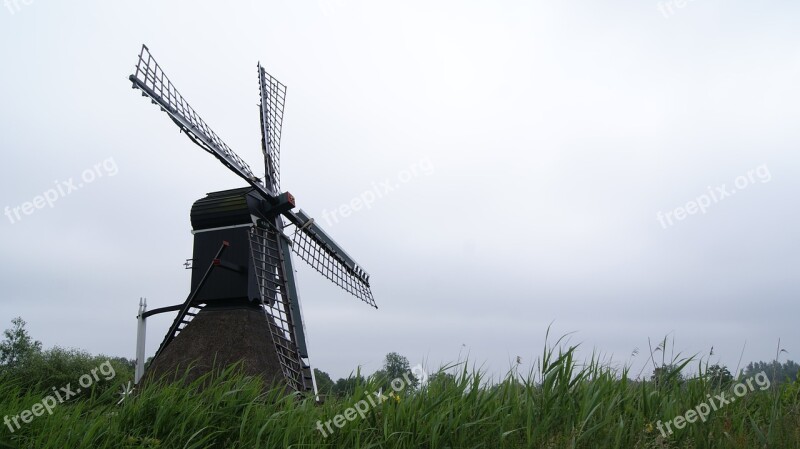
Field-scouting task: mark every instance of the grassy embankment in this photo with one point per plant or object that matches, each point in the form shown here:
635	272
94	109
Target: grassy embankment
563	404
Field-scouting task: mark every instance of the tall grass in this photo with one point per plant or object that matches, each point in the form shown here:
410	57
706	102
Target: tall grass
560	403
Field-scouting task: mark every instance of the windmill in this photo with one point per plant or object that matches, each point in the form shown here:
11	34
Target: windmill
244	304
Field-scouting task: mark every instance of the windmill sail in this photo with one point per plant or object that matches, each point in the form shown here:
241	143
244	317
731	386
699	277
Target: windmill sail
311	243
320	251
150	78
273	98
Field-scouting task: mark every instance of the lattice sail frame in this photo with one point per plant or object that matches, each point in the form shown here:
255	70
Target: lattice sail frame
268	261
273	99
150	78
314	246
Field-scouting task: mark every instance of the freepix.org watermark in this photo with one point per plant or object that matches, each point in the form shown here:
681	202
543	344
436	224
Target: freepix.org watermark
330	6
666	7
14	6
63	188
360	408
378	191
714	196
714	403
59	396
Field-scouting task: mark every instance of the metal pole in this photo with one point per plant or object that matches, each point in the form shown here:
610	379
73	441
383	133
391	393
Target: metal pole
141	333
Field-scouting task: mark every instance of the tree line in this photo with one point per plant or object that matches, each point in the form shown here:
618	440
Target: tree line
23	358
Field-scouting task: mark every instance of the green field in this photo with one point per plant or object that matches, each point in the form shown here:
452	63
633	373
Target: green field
563	403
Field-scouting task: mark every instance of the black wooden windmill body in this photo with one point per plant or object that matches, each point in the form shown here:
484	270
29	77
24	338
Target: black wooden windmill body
244	303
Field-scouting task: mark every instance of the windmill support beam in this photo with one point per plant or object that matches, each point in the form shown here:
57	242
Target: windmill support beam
149	313
173	330
297	316
141	335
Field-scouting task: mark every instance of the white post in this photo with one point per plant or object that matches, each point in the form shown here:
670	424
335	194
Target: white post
141	333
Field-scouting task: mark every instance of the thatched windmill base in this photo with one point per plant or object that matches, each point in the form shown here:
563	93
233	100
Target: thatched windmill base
217	338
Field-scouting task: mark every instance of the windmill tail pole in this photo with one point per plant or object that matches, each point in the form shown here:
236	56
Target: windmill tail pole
141	333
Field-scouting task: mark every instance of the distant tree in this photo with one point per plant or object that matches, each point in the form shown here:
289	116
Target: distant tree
442	377
776	372
396	366
324	382
791	370
122	361
347	387
719	376
441	381
17	347
667	375
61	366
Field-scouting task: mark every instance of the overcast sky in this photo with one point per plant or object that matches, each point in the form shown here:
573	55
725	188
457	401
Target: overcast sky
623	170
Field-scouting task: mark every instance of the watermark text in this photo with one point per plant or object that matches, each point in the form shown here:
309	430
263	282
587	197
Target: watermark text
715	195
703	411
59	396
378	191
361	407
62	188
